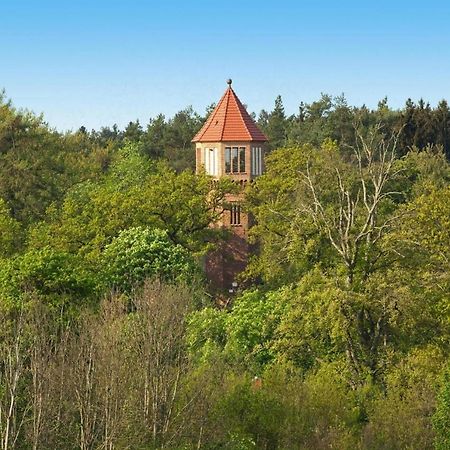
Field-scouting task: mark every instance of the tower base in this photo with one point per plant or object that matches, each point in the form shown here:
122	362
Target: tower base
223	265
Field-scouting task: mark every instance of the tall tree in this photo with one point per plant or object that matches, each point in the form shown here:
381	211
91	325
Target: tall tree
9	231
277	125
133	131
154	139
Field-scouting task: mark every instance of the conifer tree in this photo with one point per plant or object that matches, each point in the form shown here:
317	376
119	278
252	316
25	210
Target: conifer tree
277	125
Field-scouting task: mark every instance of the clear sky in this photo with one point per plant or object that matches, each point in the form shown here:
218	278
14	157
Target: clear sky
101	62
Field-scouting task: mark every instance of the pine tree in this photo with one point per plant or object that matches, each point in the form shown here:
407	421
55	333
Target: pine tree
277	125
442	118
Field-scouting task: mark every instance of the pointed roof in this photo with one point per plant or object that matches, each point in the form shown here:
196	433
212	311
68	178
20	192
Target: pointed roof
229	122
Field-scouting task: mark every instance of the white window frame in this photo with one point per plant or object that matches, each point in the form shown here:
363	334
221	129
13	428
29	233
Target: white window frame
211	161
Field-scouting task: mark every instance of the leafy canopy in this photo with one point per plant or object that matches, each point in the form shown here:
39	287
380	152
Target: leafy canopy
139	253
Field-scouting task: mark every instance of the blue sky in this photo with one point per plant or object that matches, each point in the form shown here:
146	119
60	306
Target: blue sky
101	62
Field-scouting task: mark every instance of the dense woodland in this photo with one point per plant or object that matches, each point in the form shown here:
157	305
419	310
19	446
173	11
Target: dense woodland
111	337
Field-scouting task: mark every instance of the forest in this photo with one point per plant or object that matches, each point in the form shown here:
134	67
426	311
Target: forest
339	335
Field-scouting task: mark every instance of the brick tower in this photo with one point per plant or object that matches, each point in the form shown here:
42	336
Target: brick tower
230	145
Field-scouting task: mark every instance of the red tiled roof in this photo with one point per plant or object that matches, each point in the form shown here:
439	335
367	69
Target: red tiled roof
229	122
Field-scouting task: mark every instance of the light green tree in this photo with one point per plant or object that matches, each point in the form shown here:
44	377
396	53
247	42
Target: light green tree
322	209
140	253
441	418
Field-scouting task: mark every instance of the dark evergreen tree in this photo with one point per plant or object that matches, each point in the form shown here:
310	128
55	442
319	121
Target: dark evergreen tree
133	132
442	118
277	125
263	120
153	141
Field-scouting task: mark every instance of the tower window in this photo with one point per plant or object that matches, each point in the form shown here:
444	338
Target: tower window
234	159
235	213
256	161
210	161
227	160
241	159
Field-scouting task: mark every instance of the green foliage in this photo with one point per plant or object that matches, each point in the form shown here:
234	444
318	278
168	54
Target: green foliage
284	410
252	416
324	211
244	335
330	414
346	317
251	327
400	417
206	335
136	193
37	164
299	208
422	240
332	118
314	328
424	171
140	253
441	418
9	231
29	166
62	279
276	126
430	214
285	253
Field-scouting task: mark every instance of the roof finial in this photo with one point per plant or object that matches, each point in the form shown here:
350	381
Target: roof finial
229	81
